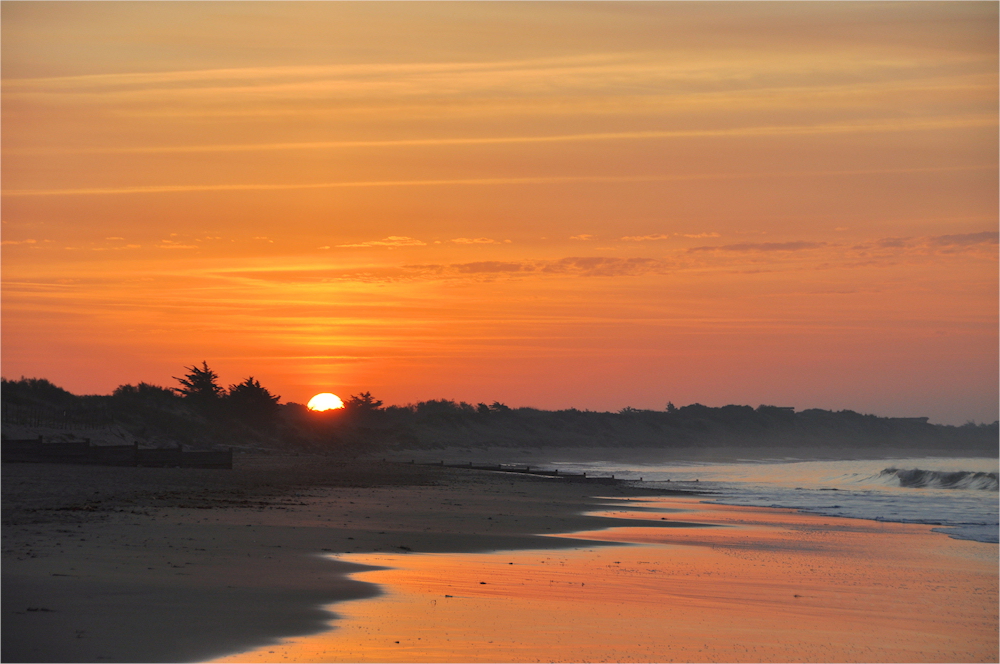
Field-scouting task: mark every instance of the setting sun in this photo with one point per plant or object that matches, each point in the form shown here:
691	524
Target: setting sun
325	401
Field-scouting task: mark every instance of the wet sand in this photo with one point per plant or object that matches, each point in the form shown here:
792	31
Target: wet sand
752	585
164	564
182	565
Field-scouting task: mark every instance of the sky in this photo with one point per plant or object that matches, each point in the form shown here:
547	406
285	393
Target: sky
589	205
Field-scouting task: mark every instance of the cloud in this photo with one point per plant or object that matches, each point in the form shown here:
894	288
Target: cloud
114	238
582	237
762	246
486	267
19	242
264	238
391	241
645	238
698	235
540	180
170	244
477	240
136	246
945	244
586	266
892	242
574	266
601	266
965	239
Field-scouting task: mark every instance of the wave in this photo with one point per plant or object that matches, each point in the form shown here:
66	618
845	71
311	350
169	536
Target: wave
937	479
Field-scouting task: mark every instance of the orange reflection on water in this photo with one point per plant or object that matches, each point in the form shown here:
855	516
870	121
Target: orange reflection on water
761	585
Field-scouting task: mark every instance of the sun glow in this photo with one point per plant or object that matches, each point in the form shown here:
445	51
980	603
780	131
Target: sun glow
325	401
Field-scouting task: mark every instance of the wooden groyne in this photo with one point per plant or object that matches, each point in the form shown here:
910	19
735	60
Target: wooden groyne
36	450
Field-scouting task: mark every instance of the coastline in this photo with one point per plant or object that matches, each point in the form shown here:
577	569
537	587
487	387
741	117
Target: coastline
106	564
754	584
188	565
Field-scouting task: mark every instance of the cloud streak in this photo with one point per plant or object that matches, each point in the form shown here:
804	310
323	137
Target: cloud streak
556	179
761	247
391	241
912	124
477	240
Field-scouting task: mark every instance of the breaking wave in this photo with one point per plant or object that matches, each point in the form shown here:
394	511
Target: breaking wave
937	479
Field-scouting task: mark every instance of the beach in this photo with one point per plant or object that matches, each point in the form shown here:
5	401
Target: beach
144	564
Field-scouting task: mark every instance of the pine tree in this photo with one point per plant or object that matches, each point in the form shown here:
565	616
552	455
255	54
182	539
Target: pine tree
200	386
252	403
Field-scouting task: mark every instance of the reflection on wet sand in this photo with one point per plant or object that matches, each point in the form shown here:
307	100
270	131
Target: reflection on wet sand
752	585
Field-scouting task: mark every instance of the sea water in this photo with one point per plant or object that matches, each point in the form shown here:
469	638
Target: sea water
958	494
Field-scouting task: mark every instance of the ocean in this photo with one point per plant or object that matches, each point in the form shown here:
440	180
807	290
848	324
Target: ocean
957	494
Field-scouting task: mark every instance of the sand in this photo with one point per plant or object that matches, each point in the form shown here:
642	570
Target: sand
165	564
125	564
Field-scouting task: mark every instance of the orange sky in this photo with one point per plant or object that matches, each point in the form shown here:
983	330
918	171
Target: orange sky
549	204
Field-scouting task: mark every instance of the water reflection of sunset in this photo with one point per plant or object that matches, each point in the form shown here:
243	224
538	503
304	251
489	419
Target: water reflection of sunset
759	585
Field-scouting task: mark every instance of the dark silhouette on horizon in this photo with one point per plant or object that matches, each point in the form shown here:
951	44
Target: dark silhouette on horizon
202	414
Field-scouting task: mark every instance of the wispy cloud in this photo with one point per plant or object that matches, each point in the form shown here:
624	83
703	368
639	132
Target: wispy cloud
556	179
477	240
488	267
932	244
574	266
6	242
761	246
794	130
584	237
965	239
646	238
391	241
171	244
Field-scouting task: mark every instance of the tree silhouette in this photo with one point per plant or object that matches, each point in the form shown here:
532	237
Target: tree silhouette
144	392
252	403
362	408
362	403
200	386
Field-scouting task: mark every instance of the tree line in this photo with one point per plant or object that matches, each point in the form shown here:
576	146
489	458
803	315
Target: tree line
200	411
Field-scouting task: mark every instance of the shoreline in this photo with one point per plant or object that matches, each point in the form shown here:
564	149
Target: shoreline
105	564
189	565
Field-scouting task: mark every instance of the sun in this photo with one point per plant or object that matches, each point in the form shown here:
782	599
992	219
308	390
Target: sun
325	401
